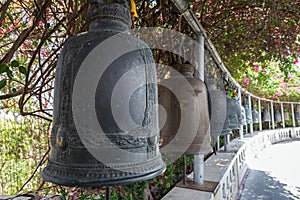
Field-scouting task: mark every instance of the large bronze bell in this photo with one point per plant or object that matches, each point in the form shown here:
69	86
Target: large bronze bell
278	117
297	112
286	116
266	115
248	114
184	113
218	108
233	116
244	120
240	113
255	116
81	156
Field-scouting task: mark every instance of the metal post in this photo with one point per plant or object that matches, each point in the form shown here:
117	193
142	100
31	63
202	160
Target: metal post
199	159
199	169
218	143
293	115
250	110
201	56
272	115
225	142
259	115
240	101
184	169
107	193
282	115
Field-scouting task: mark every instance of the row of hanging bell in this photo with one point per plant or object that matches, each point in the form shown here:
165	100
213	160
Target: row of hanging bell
81	156
184	116
226	113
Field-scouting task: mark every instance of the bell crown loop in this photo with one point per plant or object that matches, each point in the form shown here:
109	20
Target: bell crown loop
115	10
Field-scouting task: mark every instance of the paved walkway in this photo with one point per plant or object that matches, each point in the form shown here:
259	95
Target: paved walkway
274	174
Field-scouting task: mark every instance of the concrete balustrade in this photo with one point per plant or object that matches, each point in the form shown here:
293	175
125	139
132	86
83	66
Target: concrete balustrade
228	169
295	133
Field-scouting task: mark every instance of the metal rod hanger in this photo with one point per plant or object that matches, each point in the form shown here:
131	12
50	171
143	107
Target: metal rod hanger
189	15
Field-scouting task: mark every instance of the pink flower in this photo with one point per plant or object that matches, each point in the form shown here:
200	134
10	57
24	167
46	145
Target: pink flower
8	29
1	31
296	61
160	17
27	43
265	71
279	93
3	22
256	68
283	84
16	22
290	76
43	53
247	80
274	97
40	23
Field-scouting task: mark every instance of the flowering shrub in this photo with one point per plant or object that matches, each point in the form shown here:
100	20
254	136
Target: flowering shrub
278	80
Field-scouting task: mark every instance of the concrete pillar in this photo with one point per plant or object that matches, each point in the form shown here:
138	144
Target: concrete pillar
282	115
272	115
260	117
293	115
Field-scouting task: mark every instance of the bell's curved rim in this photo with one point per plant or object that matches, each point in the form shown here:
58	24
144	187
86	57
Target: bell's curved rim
88	182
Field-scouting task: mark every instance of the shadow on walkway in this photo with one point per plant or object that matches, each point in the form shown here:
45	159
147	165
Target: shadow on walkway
260	185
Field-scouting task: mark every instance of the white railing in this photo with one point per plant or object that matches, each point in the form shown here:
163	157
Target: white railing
228	169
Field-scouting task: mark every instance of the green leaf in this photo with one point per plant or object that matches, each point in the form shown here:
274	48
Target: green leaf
23	70
10	74
14	63
14	90
2	84
3	68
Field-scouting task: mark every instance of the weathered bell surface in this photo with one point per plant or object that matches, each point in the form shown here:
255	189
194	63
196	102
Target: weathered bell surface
218	108
297	115
297	112
240	114
184	113
278	117
244	121
233	116
286	116
119	152
255	116
266	116
248	114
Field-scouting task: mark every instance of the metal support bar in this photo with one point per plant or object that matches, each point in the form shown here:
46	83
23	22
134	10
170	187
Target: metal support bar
259	115
199	169
293	115
225	142
272	115
282	115
107	193
240	101
201	57
184	169
218	143
250	110
199	159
